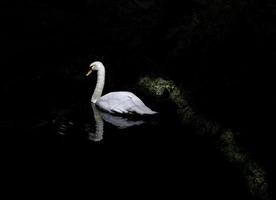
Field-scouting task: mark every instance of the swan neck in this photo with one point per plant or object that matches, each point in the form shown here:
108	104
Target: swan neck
100	85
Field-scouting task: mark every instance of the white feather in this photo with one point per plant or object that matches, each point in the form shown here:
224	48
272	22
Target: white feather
123	103
116	102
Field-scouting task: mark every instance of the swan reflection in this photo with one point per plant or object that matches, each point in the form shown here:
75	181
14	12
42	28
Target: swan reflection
118	121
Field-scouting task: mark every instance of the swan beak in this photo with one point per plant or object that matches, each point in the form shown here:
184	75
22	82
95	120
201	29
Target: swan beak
89	72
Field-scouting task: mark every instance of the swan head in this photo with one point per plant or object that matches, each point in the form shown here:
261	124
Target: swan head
95	66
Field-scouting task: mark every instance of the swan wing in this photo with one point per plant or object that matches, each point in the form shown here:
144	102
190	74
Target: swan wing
123	103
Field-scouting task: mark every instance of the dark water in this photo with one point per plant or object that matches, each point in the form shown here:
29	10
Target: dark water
53	133
47	121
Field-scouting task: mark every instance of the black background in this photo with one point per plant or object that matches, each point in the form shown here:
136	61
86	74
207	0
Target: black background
222	52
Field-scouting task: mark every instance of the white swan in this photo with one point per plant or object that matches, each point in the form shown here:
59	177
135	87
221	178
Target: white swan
115	102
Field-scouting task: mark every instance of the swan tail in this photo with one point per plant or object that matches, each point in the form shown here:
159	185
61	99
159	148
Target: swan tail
146	111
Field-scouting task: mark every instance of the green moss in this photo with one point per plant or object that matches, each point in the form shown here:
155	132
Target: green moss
227	137
187	115
156	86
253	172
255	175
257	180
231	149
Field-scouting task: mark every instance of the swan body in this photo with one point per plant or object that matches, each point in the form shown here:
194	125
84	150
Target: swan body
118	121
123	103
116	102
